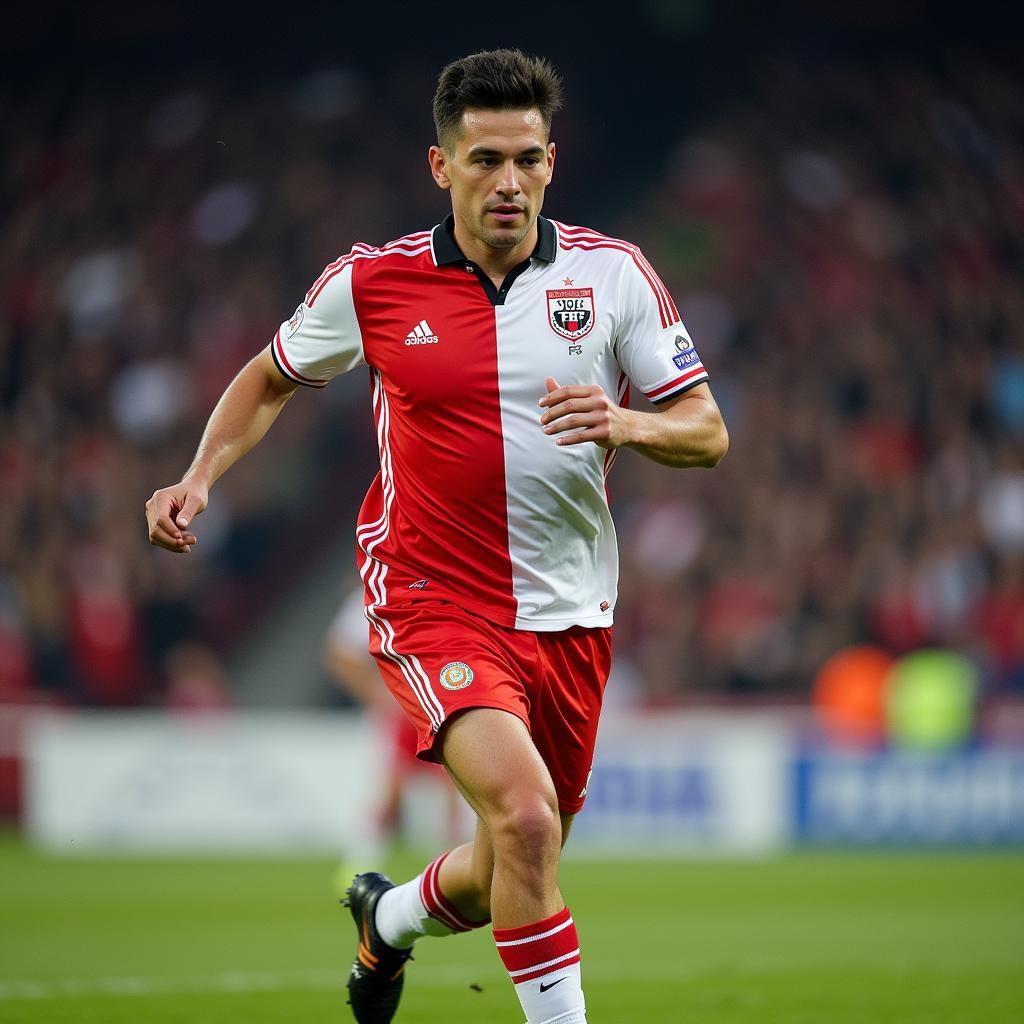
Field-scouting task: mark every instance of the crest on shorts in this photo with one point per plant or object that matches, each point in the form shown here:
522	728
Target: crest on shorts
456	675
571	312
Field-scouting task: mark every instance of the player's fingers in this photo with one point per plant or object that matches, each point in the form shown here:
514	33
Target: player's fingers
178	547
588	403
569	391
163	526
163	533
555	411
553	386
583	436
161	539
191	507
575	421
562	409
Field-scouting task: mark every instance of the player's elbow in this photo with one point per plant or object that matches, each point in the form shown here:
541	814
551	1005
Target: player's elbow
717	446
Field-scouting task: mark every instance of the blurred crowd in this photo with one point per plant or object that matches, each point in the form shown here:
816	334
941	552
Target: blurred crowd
846	247
152	245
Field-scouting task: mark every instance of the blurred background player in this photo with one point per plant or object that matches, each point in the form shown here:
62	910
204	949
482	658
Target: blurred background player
349	663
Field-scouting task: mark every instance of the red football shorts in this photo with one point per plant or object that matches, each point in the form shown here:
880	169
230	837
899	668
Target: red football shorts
438	660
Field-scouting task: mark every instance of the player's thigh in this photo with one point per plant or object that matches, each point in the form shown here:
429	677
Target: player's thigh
414	644
494	763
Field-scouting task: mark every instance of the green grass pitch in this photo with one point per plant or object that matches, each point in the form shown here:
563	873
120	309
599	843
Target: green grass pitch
806	939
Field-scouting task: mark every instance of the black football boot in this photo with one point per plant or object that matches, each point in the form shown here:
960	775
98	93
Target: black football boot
378	972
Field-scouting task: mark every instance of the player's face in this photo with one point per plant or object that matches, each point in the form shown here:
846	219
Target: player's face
496	173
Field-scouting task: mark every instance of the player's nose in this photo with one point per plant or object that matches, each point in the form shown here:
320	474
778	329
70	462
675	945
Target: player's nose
508	180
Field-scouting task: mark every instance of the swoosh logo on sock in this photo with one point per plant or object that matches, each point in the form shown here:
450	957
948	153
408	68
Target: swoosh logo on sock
544	987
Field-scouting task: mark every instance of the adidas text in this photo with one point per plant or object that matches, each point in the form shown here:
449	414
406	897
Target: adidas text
421	334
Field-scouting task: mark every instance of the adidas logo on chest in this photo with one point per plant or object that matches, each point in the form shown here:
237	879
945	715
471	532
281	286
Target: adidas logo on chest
421	334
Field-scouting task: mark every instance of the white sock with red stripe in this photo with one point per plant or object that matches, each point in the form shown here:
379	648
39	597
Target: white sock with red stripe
543	960
417	908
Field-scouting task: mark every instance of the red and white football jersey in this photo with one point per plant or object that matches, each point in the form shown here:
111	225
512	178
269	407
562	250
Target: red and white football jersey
474	503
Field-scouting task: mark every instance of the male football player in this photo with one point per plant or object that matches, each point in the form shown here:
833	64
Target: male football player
501	347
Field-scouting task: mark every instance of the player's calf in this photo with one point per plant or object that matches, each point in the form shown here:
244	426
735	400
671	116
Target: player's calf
419	907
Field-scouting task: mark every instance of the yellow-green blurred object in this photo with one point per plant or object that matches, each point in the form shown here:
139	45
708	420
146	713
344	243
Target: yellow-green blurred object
930	699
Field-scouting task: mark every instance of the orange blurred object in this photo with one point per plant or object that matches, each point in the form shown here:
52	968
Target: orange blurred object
848	696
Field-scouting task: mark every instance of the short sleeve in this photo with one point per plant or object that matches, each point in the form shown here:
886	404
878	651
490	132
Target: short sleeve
653	347
322	339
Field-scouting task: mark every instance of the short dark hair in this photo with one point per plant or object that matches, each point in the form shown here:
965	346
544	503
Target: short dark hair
494	80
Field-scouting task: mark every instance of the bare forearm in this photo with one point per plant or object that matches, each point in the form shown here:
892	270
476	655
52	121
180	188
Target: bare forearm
243	415
690	433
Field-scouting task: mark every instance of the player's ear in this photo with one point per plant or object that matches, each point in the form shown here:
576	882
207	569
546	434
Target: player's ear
438	161
551	161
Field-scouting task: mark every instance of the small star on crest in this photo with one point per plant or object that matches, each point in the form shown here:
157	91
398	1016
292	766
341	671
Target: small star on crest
567	282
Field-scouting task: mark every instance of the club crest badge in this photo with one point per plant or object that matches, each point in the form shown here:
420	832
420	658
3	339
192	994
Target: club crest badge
456	675
571	312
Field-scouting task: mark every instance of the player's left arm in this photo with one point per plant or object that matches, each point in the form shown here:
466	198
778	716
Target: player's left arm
688	430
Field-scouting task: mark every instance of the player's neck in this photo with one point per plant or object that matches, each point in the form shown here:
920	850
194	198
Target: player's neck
495	263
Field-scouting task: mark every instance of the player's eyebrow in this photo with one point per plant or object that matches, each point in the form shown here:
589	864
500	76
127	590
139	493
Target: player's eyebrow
490	151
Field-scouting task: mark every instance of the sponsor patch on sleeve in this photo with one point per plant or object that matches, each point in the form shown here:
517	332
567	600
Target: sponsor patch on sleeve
686	355
294	324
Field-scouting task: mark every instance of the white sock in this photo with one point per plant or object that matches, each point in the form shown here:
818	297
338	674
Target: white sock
543	961
560	1002
572	1017
401	917
417	908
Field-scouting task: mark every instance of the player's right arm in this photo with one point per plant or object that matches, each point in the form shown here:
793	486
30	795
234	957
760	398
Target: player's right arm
248	407
321	340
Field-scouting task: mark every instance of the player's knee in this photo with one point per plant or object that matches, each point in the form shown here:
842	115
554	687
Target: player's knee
528	827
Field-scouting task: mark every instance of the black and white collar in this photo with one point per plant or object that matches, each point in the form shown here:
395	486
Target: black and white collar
446	250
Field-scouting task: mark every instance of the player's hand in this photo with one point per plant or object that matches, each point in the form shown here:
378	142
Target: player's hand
586	410
170	512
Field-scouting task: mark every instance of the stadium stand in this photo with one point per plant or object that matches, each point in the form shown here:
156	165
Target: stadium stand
852	282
